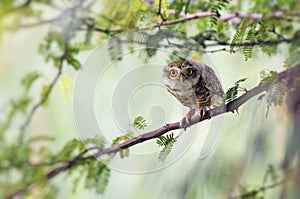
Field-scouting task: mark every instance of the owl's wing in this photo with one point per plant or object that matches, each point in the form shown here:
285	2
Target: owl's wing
212	82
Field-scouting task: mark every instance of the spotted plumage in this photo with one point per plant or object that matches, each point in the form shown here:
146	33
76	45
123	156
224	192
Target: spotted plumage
195	85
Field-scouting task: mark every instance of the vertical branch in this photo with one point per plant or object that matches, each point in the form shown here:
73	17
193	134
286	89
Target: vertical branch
187	6
43	99
159	13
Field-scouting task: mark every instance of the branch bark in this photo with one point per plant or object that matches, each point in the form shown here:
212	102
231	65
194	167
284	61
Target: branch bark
289	75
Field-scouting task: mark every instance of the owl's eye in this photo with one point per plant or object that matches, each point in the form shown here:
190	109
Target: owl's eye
189	72
173	73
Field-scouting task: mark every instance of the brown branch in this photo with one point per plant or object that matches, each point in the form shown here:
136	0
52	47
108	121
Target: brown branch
288	74
44	98
159	13
280	14
54	81
51	20
184	19
223	50
255	16
187	6
257	43
253	193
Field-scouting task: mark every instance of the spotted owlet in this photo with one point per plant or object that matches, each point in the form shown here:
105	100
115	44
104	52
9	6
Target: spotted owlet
195	85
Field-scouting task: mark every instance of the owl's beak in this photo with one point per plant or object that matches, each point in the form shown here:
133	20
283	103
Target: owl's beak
183	77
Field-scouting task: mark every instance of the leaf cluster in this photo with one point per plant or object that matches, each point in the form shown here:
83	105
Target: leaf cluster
167	143
275	94
140	123
124	152
232	92
62	45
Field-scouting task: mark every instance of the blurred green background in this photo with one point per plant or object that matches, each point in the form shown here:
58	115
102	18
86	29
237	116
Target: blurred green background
250	143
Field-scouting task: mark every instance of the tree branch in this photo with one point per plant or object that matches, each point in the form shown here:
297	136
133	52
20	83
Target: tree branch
159	13
44	98
253	193
188	17
257	43
288	74
255	16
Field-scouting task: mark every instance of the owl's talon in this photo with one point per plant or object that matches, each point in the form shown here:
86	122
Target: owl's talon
209	114
185	122
202	112
205	112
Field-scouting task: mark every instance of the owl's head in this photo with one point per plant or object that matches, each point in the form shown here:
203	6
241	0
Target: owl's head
181	72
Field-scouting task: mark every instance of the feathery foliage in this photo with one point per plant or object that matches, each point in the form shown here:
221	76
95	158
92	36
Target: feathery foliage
232	92
167	143
275	94
140	123
253	28
216	7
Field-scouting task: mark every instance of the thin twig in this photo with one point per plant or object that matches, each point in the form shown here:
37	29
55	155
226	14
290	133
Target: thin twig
54	19
159	13
184	19
257	43
223	50
252	193
288	74
187	6
272	30
44	98
40	22
54	81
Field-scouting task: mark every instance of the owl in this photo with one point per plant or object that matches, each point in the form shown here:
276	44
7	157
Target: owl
195	85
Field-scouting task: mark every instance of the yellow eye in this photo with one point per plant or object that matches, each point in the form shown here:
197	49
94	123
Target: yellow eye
189	72
173	73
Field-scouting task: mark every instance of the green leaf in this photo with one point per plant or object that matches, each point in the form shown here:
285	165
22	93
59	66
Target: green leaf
251	37
29	79
294	54
276	91
125	137
70	149
268	76
269	50
232	92
124	152
97	140
140	123
167	142
240	81
239	35
275	95
97	177
21	105
216	7
73	62
43	95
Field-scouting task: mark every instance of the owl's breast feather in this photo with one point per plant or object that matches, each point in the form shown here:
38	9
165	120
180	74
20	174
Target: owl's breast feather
183	92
